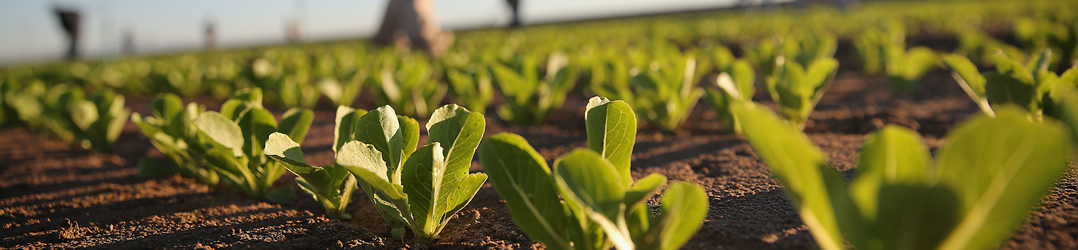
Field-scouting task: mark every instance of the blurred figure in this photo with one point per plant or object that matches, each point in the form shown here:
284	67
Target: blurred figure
291	31
129	43
210	36
514	6
69	21
412	24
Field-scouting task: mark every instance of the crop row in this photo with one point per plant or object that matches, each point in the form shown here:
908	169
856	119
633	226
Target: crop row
993	169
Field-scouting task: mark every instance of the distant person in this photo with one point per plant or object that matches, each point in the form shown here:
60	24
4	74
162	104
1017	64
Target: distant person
209	35
412	24
69	21
514	6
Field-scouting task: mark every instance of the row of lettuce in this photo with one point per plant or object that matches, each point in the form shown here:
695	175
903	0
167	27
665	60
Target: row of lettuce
900	198
419	189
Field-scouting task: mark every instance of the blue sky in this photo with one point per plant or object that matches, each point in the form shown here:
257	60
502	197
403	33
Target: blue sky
30	32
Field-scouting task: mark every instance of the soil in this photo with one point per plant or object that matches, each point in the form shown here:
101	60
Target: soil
56	195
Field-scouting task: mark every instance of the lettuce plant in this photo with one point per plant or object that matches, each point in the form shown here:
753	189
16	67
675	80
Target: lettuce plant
796	89
802	48
1039	34
172	131
876	47
529	96
609	77
886	51
906	67
471	87
65	112
331	186
734	84
421	188
980	48
1028	85
236	137
408	84
343	92
666	94
989	174
590	200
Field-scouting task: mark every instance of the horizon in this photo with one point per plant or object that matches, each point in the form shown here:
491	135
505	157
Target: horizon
32	34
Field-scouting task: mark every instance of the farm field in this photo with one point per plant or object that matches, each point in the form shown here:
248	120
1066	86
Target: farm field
59	192
61	195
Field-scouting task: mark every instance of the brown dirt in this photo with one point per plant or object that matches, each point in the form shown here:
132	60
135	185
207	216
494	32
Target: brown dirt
56	195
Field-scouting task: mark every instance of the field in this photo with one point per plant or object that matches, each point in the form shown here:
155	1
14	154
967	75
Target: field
56	194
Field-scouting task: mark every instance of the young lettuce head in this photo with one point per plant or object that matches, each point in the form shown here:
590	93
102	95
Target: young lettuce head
590	200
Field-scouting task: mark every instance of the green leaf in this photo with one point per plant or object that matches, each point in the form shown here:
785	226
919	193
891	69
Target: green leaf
221	130
365	161
575	174
802	169
410	132
612	133
345	125
1069	109
257	124
460	131
911	216
423	173
461	193
224	163
83	114
295	123
599	199
381	129
643	189
521	177
999	178
894	154
167	106
684	208
1005	89
819	75
971	80
743	77
286	151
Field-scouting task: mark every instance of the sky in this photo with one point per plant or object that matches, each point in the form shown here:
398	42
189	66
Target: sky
29	31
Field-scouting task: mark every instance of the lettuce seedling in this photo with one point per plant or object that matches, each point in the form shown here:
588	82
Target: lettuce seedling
331	186
529	96
599	206
906	67
421	188
172	131
734	84
609	76
796	90
879	49
666	94
99	119
802	48
991	172
1031	85
64	111
886	50
236	137
471	87
343	92
408	84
